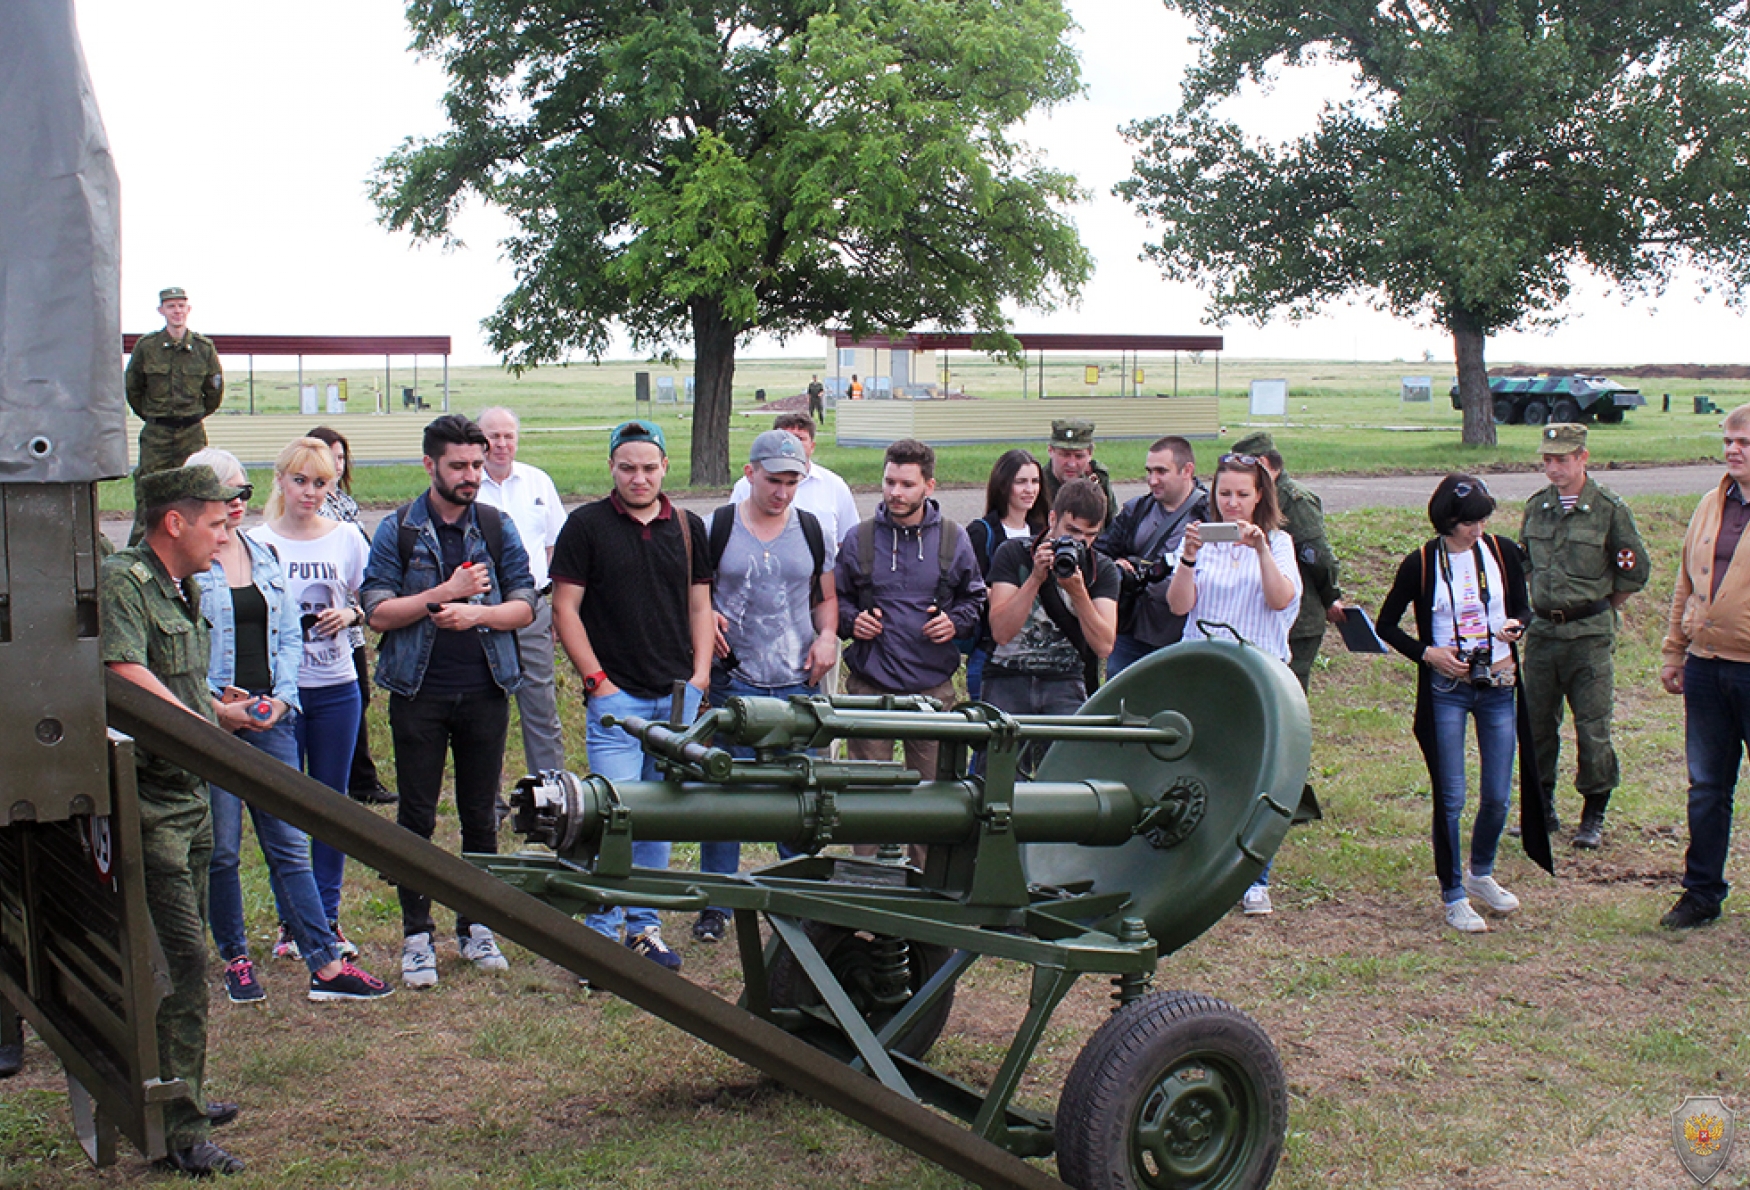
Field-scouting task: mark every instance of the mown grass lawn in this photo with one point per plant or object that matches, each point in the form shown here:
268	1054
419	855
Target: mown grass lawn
1547	1053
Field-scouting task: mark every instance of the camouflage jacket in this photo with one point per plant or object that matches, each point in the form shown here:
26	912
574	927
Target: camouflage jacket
1579	556
1303	516
175	380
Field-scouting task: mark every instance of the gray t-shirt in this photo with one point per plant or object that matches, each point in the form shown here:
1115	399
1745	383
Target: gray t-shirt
762	591
1041	649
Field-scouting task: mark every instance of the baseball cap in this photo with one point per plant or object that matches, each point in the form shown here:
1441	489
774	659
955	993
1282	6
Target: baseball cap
636	431
779	450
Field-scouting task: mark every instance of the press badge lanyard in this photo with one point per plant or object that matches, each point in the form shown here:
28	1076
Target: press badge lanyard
1476	550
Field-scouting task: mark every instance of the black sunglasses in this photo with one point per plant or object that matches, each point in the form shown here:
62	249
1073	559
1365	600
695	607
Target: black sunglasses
1242	460
245	492
1461	490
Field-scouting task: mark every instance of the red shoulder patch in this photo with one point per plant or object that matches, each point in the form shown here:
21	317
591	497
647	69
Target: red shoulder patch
1625	559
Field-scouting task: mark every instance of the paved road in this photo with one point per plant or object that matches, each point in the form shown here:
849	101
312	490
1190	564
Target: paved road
1339	493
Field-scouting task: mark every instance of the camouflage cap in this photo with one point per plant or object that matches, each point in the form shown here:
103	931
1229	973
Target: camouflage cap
1256	443
199	482
1072	433
174	293
1561	438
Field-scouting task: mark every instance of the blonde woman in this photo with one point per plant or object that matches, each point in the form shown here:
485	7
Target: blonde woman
324	562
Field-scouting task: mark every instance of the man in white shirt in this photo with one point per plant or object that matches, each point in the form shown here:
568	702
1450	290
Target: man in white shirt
527	496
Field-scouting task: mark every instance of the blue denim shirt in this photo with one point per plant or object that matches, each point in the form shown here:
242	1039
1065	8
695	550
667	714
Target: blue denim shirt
285	635
403	653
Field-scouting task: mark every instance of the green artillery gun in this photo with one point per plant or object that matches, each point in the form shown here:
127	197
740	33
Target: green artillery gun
1154	808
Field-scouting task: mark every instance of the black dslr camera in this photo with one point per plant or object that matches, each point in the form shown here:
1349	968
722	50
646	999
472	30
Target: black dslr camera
1480	662
1066	556
1150	572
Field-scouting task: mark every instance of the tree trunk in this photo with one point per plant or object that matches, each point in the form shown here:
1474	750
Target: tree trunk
713	392
1473	380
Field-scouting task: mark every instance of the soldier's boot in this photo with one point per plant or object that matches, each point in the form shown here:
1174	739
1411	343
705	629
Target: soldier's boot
1590	836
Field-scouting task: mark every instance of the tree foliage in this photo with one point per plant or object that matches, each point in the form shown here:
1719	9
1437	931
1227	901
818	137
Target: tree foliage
1488	149
704	169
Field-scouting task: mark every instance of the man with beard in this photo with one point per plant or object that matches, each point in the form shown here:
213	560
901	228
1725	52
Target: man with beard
632	606
448	586
1143	540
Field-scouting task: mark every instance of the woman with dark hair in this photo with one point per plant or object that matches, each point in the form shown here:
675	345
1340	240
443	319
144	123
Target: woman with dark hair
1012	509
1249	587
363	783
1468	591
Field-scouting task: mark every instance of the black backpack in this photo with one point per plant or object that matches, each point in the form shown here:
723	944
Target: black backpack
723	523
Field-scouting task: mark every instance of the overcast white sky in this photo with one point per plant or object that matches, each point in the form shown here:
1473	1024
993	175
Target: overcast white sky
244	133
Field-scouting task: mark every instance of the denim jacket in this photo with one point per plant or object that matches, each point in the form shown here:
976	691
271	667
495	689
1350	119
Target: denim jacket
403	653
285	635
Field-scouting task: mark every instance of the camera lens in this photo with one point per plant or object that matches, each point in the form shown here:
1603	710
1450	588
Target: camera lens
1066	556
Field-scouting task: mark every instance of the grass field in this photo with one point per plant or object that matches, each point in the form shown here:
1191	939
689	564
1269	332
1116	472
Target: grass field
1547	1053
1343	418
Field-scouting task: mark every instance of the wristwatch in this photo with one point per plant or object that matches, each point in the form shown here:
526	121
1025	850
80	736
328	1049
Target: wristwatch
591	681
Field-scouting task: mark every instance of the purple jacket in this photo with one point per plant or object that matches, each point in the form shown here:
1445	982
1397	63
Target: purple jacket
907	567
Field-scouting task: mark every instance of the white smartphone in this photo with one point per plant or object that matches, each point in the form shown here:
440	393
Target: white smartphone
1219	531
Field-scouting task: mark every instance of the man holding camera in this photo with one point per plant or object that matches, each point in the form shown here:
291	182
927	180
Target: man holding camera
1143	540
1053	612
1585	559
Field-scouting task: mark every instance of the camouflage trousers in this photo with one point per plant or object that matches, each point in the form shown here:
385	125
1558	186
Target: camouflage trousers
1579	673
162	449
1302	652
176	836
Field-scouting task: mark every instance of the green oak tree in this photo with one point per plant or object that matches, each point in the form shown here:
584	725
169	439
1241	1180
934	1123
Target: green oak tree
1488	149
705	169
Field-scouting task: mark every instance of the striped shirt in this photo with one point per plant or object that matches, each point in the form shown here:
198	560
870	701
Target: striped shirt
1230	592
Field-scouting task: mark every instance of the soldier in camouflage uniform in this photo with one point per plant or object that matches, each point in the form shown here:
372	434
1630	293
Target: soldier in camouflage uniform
174	382
1303	516
1584	558
154	636
1072	457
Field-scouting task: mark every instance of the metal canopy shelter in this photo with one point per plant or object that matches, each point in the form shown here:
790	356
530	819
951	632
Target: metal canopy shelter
302	345
1130	345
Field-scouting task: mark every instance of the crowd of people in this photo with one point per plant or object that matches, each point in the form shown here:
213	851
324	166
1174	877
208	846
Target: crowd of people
469	585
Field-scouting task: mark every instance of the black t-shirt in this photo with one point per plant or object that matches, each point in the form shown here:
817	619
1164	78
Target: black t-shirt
1040	649
458	662
634	579
253	670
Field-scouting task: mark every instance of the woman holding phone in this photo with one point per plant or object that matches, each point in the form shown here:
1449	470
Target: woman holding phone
257	652
1237	576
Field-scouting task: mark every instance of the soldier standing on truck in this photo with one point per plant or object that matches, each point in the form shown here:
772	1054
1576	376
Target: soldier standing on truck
174	383
1584	559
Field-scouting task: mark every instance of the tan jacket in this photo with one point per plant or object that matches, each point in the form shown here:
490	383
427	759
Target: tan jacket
1702	625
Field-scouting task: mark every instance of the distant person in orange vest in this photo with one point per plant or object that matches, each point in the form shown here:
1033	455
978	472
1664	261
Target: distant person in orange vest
855	391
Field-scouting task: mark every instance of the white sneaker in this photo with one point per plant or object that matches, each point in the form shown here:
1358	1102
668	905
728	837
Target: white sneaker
418	961
1494	898
1256	902
1461	917
481	949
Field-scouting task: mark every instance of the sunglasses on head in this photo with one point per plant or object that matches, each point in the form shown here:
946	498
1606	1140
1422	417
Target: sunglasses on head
1242	460
1461	490
245	492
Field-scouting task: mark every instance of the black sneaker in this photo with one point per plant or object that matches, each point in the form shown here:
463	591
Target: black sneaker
1689	912
240	982
201	1160
374	795
350	983
712	925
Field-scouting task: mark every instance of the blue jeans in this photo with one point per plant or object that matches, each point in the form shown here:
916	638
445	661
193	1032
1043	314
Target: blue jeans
975	672
287	851
619	757
328	731
724	859
1126	652
1493	710
1716	727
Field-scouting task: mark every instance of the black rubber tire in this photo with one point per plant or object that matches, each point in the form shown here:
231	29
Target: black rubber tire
1608	413
1564	409
1175	1092
1535	412
847	954
1503	411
